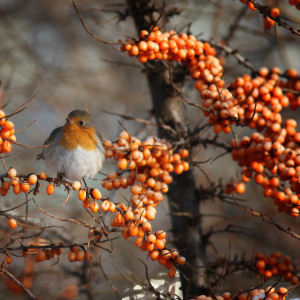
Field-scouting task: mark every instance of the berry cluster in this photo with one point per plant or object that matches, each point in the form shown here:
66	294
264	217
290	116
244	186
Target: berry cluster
273	164
255	102
149	165
296	3
267	294
268	22
7	133
274	265
248	101
18	184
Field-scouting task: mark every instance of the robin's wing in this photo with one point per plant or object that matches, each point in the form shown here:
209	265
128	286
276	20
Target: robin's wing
54	136
99	137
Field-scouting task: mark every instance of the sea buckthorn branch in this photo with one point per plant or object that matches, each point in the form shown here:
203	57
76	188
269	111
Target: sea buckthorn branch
108	280
229	267
233	52
90	33
275	264
15	280
267	13
268	220
251	294
151	287
67	220
235	24
128	118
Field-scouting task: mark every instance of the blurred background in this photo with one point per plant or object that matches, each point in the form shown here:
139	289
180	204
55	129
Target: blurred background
43	47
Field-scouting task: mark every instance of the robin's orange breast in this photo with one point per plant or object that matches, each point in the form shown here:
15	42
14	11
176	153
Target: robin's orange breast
74	136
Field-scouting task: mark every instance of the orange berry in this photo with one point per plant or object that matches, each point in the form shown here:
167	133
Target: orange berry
6	185
76	185
72	257
166	254
96	194
160	234
150	215
122	163
146	226
6	147
5	134
240	188
88	256
8	259
174	253
178	168
105	205
282	291
94	207
12	172
251	6
172	272
43	175
14	181
82	195
2	119
41	256
139	241
181	260
275	12
292	73
112	207
144	34
260	264
151	238
80	255
185	166
3	192
32	179
25	187
218	128
8	125
12	223
133	230
50	189
17	189
142	45
112	175
136	190
154	255
159	244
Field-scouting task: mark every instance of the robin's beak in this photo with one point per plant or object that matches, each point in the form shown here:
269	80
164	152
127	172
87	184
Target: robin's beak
69	120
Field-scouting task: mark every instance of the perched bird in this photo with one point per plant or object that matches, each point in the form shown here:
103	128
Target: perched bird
79	151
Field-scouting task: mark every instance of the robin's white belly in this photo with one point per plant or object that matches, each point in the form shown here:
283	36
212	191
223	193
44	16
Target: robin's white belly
74	164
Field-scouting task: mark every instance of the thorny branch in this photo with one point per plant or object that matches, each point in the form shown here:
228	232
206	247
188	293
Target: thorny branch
268	220
264	11
16	281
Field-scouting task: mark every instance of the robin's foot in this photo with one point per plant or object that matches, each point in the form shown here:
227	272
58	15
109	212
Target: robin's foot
61	177
84	182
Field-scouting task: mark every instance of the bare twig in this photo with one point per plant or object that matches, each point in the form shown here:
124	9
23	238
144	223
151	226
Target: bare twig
25	127
128	118
16	281
108	280
90	33
178	92
262	10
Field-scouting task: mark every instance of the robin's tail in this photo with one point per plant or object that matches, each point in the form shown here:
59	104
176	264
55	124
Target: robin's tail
39	156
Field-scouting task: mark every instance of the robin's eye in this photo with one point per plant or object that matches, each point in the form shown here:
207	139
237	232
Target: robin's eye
81	122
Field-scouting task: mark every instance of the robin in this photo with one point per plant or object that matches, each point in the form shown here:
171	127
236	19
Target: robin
79	151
